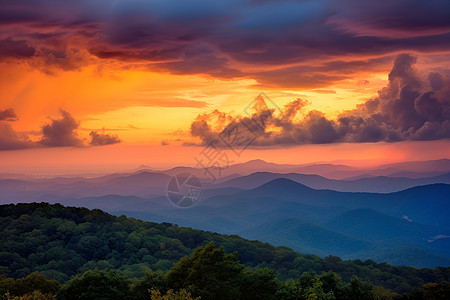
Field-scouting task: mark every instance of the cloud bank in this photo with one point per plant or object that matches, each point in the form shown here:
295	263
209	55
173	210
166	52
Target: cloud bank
408	108
223	38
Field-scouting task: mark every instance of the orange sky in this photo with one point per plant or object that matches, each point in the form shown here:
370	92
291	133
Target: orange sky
120	158
144	108
114	85
153	102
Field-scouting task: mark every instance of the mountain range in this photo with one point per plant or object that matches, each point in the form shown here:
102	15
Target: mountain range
376	214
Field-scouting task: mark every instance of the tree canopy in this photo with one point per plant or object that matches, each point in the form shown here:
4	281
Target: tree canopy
63	243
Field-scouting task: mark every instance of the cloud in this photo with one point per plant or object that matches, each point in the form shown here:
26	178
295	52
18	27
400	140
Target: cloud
11	140
200	60
61	132
50	61
223	38
408	108
393	19
101	139
8	115
15	49
319	75
58	133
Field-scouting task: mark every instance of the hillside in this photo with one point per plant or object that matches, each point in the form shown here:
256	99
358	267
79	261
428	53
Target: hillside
286	213
62	241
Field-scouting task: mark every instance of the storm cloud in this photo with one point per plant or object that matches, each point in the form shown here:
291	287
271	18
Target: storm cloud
223	38
408	108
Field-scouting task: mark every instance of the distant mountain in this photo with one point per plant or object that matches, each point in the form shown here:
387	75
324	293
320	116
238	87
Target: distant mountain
439	165
324	222
299	210
147	183
416	169
412	169
142	184
379	184
285	212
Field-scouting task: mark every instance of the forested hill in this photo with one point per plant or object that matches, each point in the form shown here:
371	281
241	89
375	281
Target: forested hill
63	241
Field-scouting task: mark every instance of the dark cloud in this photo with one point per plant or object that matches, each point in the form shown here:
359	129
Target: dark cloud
15	49
11	140
200	60
234	36
408	108
61	132
58	133
321	75
101	139
8	115
67	59
394	18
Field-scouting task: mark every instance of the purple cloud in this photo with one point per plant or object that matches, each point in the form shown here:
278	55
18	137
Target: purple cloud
222	38
61	132
102	139
58	133
8	115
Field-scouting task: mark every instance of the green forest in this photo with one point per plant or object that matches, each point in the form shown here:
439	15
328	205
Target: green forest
56	252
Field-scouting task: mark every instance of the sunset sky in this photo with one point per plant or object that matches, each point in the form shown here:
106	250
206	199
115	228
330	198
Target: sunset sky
103	85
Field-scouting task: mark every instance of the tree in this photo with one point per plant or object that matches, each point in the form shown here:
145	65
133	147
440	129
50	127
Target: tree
289	290
170	295
35	282
209	273
151	281
359	289
380	293
95	284
332	282
432	291
259	284
437	290
36	295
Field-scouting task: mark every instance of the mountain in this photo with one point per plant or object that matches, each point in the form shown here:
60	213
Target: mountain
438	165
416	169
372	225
62	241
147	183
409	218
379	184
304	237
142	184
254	204
253	212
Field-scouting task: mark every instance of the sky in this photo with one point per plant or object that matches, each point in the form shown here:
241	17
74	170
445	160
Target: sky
104	85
